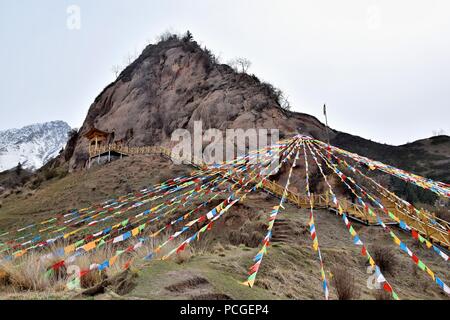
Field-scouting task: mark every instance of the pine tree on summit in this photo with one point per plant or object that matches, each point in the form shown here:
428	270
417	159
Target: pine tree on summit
188	36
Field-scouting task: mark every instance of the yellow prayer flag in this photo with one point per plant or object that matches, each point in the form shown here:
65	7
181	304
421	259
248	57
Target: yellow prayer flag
69	249
112	260
316	245
431	273
88	247
248	283
135	232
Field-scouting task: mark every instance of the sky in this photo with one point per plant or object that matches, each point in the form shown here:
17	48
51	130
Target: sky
382	67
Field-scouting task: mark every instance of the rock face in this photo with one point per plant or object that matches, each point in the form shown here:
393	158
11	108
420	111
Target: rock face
33	145
174	83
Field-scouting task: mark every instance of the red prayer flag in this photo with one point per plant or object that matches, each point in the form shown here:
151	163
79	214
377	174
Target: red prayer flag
83	273
127	265
181	248
58	265
254	268
387	287
364	251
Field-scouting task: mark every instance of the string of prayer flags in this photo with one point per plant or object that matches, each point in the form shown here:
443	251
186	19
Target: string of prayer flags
439	188
210	216
312	227
386	286
272	218
373	200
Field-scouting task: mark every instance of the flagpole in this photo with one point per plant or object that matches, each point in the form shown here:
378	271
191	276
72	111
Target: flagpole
326	123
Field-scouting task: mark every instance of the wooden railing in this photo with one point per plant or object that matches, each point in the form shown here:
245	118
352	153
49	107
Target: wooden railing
145	150
423	226
320	201
126	150
425	223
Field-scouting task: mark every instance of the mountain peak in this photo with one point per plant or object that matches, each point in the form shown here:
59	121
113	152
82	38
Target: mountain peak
176	82
32	145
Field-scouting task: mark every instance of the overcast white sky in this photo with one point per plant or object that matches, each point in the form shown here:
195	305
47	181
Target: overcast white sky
382	67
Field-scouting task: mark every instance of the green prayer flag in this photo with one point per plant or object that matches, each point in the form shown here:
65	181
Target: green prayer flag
79	243
421	265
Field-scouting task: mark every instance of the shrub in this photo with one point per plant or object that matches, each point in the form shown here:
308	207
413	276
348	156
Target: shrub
344	283
384	258
37	182
27	275
5	278
71	143
50	174
276	94
167	36
92	279
183	256
382	295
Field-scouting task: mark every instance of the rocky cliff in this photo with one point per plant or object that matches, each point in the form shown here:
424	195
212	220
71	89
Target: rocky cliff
176	82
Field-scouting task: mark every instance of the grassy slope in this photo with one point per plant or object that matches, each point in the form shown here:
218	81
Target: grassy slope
83	188
289	271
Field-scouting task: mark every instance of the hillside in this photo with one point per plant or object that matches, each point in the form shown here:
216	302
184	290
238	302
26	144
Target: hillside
214	267
428	157
171	85
176	82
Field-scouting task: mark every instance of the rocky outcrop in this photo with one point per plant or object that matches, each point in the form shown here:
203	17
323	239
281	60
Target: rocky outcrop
176	82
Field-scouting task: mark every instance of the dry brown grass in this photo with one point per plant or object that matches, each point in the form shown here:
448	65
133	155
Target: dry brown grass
29	274
183	256
4	278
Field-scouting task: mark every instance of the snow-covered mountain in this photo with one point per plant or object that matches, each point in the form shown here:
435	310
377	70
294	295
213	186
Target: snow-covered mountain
33	145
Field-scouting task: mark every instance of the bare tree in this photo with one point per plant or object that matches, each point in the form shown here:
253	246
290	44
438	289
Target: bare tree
240	64
130	57
116	70
439	132
167	35
284	102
